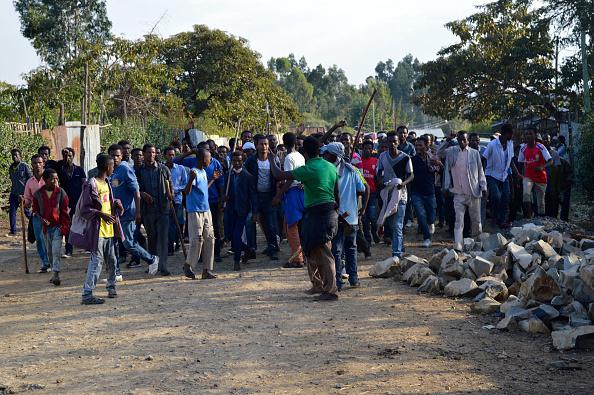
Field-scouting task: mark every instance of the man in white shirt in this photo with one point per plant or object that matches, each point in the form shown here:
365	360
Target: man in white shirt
499	154
291	194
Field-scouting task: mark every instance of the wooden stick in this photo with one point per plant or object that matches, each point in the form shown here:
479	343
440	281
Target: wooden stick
24	232
361	124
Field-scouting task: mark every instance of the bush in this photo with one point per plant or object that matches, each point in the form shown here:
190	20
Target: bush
27	143
155	132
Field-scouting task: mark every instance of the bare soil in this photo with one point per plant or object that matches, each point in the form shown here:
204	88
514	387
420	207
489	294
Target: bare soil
257	332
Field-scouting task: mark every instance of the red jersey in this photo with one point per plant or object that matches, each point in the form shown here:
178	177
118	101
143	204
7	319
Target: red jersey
533	157
368	166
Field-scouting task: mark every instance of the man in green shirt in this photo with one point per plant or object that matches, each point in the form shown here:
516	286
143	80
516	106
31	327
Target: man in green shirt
320	220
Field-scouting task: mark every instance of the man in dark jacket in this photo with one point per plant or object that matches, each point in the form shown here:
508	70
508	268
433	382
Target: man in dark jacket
240	202
265	185
19	173
72	178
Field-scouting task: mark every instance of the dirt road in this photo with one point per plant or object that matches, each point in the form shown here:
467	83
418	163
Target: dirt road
257	332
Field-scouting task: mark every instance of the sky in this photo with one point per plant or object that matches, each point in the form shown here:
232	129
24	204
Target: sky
354	35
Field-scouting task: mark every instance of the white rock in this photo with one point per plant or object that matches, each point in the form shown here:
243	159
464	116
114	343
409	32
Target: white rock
481	267
386	268
462	287
566	339
534	325
511	302
486	305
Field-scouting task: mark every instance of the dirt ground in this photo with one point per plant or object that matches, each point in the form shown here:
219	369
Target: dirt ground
257	332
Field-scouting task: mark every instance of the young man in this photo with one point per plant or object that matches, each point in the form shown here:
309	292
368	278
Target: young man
200	225
395	168
465	179
347	141
72	178
179	180
369	219
240	202
265	185
126	190
45	152
19	174
272	143
320	221
50	204
291	194
350	185
101	226
499	154
423	189
404	145
246	136
153	181
126	152
536	159
33	185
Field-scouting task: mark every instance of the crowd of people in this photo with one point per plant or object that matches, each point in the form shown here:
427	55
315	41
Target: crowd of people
328	195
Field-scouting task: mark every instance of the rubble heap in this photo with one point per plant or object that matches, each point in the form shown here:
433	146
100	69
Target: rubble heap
538	281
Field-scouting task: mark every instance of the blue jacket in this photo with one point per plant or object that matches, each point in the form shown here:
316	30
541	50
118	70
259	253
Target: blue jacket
242	193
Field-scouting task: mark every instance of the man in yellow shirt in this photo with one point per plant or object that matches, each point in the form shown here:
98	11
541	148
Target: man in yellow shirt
94	228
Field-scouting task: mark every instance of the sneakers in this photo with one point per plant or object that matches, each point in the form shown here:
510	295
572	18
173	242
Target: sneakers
43	270
154	267
188	272
55	279
293	265
133	265
111	293
207	275
432	228
313	291
326	297
236	267
119	278
93	300
67	255
426	243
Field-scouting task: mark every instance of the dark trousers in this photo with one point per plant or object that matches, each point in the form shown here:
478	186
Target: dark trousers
565	204
369	219
216	220
498	199
174	236
440	214
12	214
68	247
236	225
157	231
267	213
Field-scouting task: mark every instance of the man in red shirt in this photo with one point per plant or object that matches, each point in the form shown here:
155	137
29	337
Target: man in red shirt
368	165
536	158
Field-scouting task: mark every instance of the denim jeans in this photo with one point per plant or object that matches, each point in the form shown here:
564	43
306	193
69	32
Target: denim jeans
105	254
13	200
268	216
174	236
345	244
425	209
131	243
369	219
499	198
53	241
40	241
397	223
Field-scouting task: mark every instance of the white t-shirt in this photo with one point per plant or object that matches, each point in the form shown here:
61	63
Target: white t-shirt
293	161
263	176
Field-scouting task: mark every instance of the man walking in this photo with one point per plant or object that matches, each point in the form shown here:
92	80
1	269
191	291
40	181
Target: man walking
125	189
179	180
369	218
154	180
465	179
536	159
71	179
31	187
19	174
320	221
499	154
423	189
200	224
350	185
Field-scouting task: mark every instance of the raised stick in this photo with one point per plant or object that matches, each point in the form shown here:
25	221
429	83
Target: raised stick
361	124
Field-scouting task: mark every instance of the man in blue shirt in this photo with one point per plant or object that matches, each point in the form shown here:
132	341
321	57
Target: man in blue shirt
215	190
350	185
125	188
200	224
179	180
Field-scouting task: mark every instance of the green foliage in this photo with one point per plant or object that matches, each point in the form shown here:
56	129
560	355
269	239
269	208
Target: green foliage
27	143
501	67
9	102
584	154
137	133
60	30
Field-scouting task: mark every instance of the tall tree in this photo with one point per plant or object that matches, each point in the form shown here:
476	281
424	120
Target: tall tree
502	66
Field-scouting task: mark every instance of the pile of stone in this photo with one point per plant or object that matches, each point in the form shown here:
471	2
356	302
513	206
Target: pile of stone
538	281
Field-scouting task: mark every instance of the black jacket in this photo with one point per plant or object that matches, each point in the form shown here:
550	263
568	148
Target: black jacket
242	193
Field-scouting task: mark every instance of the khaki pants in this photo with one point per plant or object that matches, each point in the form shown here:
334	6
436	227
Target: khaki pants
201	234
473	205
321	268
294	242
527	186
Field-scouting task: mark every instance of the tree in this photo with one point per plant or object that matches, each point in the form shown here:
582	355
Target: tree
502	66
301	91
60	29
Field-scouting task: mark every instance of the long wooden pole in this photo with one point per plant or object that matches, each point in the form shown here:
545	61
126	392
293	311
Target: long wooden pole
360	130
178	227
24	232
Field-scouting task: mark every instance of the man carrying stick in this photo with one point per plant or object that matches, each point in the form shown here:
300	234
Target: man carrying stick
320	221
